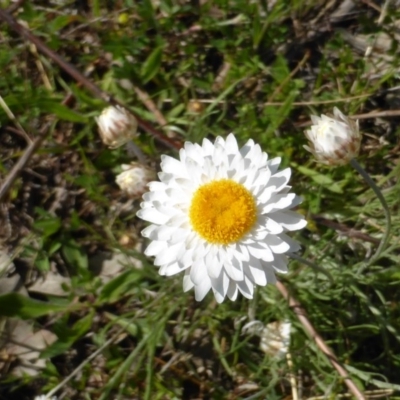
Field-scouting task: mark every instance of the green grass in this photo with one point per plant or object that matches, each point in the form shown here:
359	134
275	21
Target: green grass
279	68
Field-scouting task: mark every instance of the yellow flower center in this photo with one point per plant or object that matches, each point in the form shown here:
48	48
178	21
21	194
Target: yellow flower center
222	212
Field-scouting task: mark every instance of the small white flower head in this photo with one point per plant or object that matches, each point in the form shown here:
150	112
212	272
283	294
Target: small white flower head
117	126
333	140
134	178
275	336
275	339
44	397
220	215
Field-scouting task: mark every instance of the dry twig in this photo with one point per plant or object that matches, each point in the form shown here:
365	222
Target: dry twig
302	316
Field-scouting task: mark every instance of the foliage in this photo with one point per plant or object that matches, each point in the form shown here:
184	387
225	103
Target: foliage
258	69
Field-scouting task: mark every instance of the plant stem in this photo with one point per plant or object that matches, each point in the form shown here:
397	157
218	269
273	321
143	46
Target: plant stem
377	191
309	328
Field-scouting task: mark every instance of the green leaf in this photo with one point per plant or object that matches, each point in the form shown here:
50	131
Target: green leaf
42	263
16	305
68	336
131	328
117	287
64	112
74	255
279	69
60	22
367	376
56	349
152	64
323	180
48	226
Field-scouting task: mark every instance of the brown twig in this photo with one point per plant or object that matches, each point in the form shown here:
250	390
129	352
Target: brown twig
150	105
23	160
32	147
80	78
370	115
14	7
377	114
302	316
344	229
12	117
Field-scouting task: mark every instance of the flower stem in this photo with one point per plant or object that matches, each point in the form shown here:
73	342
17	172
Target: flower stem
377	191
309	328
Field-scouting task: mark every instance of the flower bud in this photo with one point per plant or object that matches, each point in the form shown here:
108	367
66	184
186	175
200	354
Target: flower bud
333	140
116	126
134	178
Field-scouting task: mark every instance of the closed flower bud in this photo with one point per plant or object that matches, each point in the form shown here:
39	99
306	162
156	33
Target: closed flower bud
333	140
134	179
117	126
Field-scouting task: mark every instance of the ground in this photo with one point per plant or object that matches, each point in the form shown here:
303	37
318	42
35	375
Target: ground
75	286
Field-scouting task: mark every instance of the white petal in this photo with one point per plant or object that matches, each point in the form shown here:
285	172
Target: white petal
167	255
146	232
173	269
179	236
220	287
290	220
195	152
294	246
246	287
255	155
280	263
231	144
250	176
185	257
193	170
152	215
214	266
247	147
187	282
261	181
155	248
276	244
270	224
271	278
256	273
279	201
156	196
208	147
233	270
162	233
274	164
202	289
157	186
261	251
179	221
242	251
280	179
232	291
265	194
198	272
172	166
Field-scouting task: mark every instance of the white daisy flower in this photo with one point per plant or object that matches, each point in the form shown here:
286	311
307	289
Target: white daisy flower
333	140
220	214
